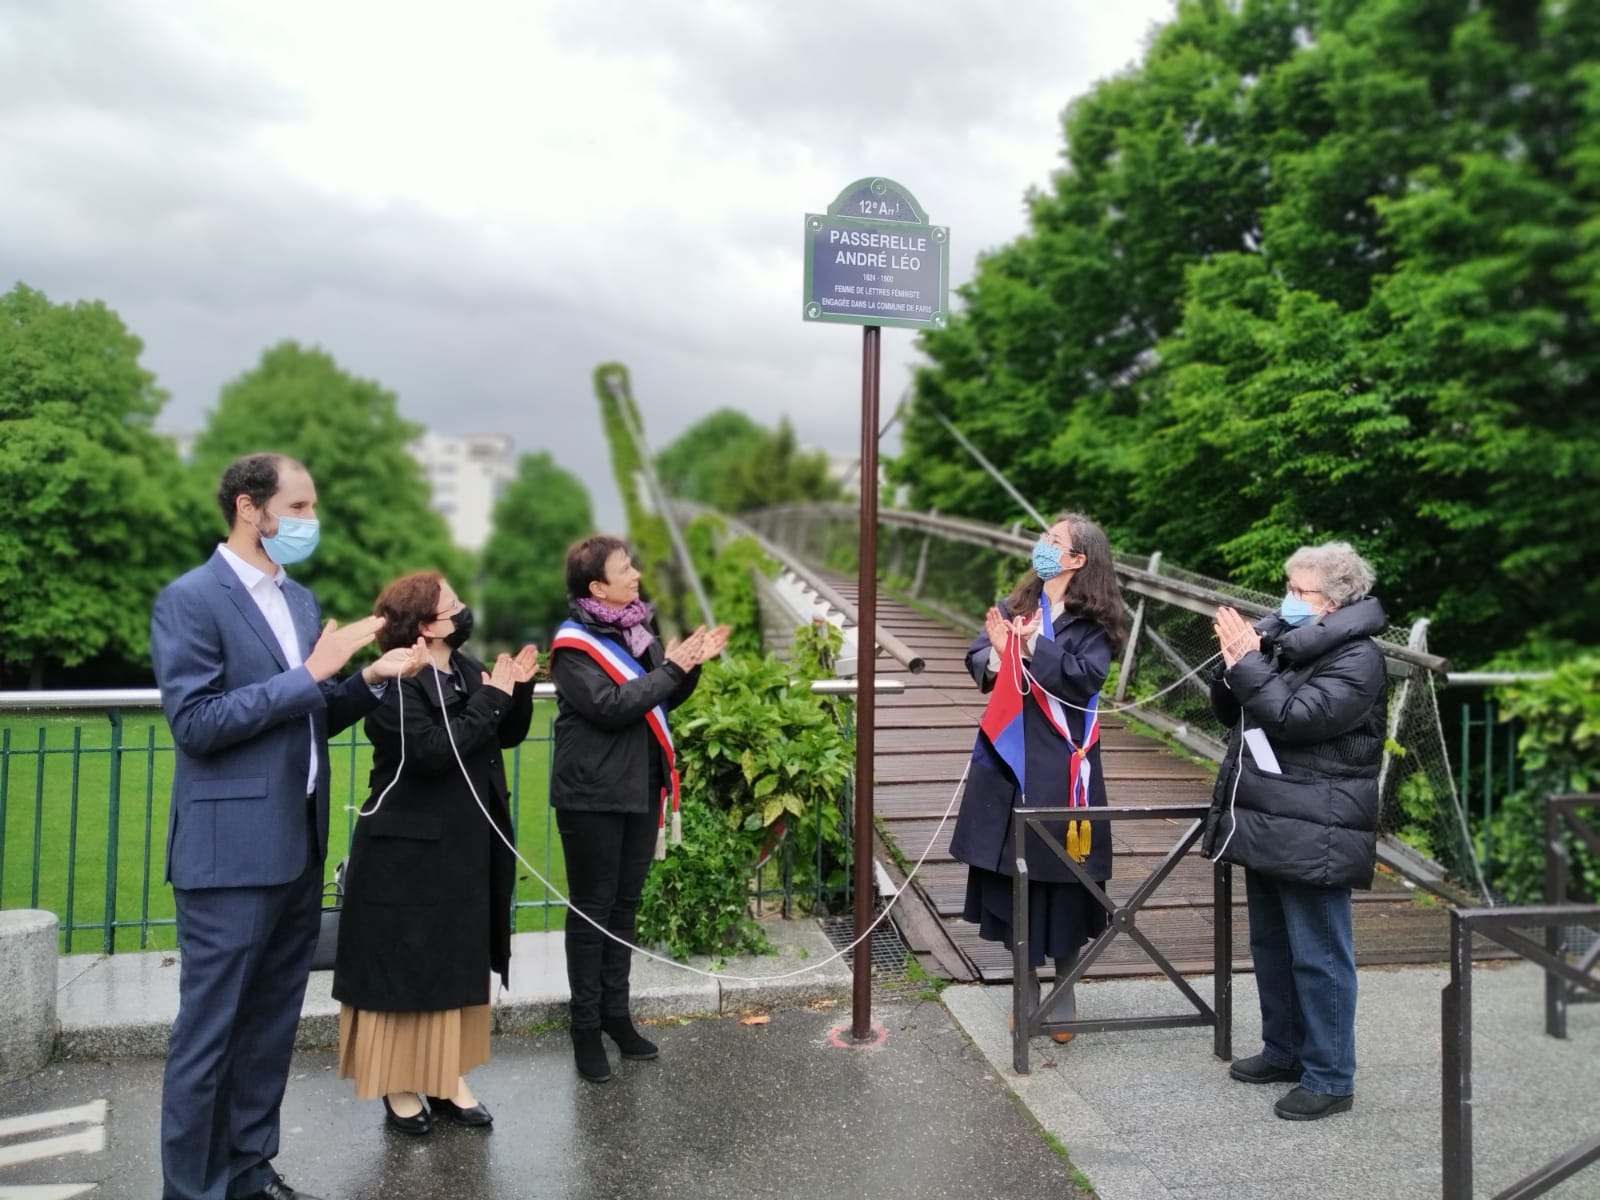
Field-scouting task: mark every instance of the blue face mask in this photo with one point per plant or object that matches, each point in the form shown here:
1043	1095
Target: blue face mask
295	540
1046	560
1295	611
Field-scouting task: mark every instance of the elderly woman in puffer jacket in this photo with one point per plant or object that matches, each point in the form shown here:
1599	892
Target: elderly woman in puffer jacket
1296	804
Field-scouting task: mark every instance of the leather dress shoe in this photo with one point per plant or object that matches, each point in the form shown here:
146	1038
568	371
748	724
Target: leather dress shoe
477	1116
279	1189
421	1123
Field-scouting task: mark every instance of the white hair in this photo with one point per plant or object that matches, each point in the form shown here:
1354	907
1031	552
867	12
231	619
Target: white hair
1343	575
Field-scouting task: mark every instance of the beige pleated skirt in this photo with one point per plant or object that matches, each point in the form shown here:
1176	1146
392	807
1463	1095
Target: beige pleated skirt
424	1052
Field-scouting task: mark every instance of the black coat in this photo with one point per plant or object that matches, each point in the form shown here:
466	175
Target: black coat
606	758
1320	695
1073	668
427	906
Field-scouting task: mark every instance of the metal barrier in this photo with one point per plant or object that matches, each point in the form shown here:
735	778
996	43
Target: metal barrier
1028	1011
1501	925
1561	818
78	806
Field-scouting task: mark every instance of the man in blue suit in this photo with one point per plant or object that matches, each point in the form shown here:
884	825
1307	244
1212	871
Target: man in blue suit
247	684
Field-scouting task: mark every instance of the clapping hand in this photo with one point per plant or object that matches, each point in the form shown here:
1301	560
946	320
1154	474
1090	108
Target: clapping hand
504	676
700	645
1235	635
525	664
338	643
999	632
399	663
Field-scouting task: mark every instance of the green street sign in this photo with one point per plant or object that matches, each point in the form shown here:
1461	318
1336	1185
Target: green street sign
873	259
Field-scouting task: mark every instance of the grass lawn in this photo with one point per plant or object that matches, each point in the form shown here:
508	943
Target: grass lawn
57	840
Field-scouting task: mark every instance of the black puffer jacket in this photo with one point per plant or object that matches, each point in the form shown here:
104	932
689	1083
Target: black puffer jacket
1319	694
606	758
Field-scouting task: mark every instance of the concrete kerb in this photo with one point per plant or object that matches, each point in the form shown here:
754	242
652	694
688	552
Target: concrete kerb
122	1006
27	990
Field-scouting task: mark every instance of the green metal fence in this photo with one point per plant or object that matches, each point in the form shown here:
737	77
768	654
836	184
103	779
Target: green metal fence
83	820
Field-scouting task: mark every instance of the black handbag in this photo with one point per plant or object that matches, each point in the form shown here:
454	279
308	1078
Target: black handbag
327	951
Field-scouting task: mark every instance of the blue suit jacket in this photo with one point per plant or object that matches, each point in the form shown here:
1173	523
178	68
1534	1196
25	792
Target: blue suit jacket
243	742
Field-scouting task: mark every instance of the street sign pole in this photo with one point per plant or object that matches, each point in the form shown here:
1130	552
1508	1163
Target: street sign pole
873	259
866	673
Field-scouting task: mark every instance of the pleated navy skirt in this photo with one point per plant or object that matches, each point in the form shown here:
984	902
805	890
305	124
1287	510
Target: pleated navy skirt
1061	917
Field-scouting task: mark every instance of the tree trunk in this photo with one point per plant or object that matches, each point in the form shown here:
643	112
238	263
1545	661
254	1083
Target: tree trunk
36	674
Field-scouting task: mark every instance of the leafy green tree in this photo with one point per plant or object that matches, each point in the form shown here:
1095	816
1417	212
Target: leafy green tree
693	466
542	512
1312	270
733	464
372	498
97	515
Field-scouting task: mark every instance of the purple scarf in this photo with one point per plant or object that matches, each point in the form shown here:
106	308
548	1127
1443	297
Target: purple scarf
633	619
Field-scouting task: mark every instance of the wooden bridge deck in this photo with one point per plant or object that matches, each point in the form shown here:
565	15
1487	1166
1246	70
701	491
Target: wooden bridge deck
924	739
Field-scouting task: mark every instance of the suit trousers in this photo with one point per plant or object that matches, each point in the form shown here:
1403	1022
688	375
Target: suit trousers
245	956
608	857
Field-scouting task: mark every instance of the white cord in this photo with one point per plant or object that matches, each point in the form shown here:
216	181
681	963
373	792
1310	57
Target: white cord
809	967
1033	682
1233	820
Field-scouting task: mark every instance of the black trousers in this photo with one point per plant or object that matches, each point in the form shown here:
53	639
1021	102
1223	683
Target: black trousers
608	858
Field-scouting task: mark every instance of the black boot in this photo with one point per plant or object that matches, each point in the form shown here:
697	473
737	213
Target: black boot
589	1053
629	1040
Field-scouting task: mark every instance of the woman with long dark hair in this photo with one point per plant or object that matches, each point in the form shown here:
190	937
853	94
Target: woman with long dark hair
1066	614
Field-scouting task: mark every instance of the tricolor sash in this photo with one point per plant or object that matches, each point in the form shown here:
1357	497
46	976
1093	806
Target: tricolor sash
622	667
1080	770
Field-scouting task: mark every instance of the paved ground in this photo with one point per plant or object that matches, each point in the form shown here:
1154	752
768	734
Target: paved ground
1153	1116
729	1111
777	1110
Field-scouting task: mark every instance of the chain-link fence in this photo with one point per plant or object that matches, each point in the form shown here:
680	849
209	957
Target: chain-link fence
955	570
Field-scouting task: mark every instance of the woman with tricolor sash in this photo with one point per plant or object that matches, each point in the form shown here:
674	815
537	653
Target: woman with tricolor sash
613	784
1042	657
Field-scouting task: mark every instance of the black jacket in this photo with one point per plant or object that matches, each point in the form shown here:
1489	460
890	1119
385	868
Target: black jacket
1319	694
427	906
606	759
1073	668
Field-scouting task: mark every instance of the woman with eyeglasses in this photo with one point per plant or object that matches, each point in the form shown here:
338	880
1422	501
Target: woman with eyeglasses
1296	804
427	902
1066	617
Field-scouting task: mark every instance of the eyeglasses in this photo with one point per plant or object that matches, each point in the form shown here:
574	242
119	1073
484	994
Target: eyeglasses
1300	593
1049	539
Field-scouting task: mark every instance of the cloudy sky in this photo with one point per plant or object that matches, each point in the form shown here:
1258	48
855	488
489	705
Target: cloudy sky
475	203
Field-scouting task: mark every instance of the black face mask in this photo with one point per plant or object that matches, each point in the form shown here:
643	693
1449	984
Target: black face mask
458	636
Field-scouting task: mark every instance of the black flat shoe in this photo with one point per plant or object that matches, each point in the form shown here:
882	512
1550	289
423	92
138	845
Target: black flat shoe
477	1116
629	1040
1301	1105
1256	1069
421	1123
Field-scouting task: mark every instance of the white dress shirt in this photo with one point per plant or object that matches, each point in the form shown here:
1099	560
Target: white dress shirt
267	591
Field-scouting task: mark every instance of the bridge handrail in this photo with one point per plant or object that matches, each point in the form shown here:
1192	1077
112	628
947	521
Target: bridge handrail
135	699
1182	593
896	649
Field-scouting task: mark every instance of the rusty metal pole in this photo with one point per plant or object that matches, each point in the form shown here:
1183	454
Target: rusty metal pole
866	650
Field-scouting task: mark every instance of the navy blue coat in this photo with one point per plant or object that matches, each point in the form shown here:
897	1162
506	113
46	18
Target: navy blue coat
244	728
1073	668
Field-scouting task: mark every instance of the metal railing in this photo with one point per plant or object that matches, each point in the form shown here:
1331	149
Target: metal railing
1561	819
1169	587
888	642
83	813
955	567
1029	1011
1504	926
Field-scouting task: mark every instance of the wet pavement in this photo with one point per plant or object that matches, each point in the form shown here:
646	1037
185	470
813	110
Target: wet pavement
782	1109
